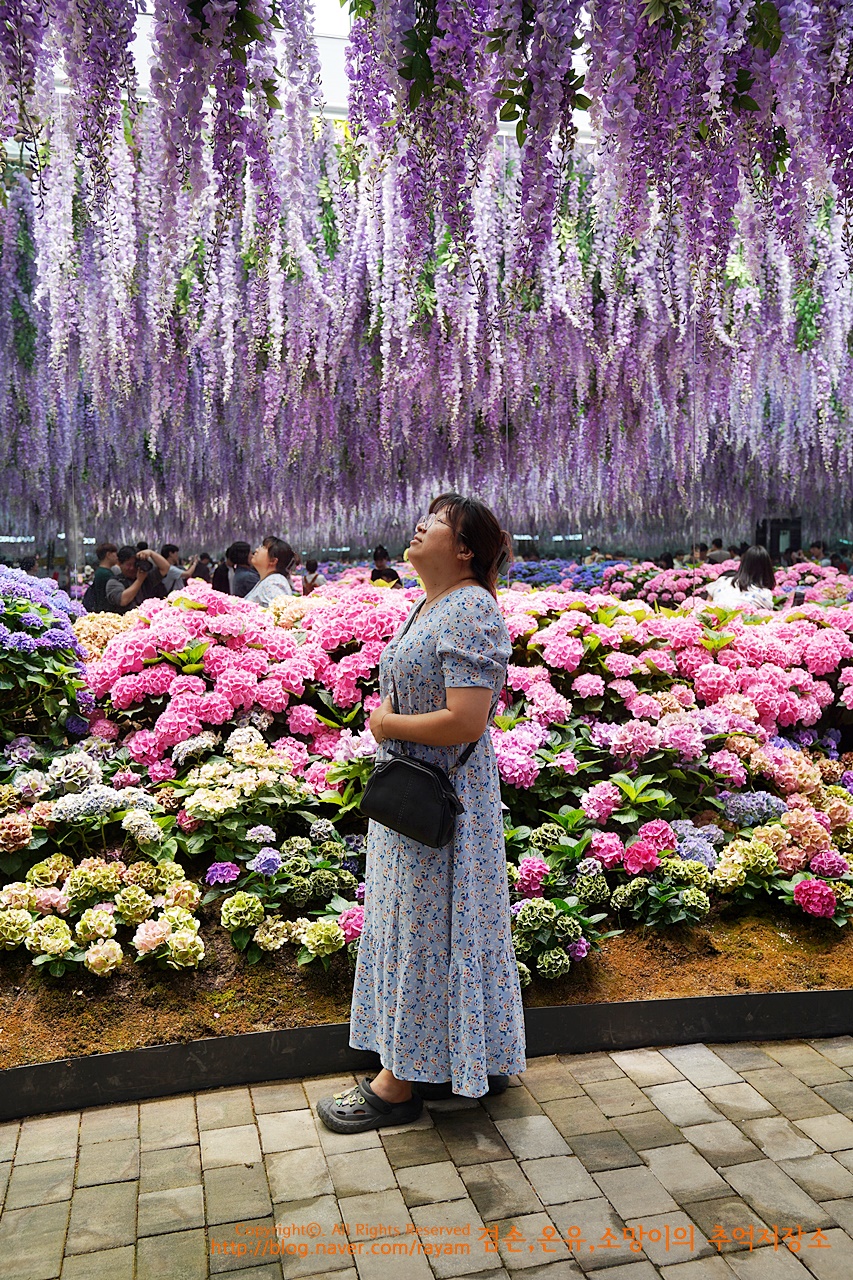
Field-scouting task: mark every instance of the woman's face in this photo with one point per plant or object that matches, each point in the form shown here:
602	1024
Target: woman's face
434	543
261	561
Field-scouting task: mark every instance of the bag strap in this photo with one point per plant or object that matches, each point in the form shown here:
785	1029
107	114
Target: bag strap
465	755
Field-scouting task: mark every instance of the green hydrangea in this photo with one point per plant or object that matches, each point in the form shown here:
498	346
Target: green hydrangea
184	949
347	883
686	871
760	858
49	936
298	891
81	888
241	911
296	866
535	914
103	957
133	904
168	873
592	888
144	874
567	928
95	923
842	891
555	963
512	873
331	849
41	874
324	937
625	894
9	799
696	901
107	880
525	977
549	833
323	884
61	866
272	933
295	845
18	896
183	893
843	841
180	918
352	952
728	876
522	943
15	924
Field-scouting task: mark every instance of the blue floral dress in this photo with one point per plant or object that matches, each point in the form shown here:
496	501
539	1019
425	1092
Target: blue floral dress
436	990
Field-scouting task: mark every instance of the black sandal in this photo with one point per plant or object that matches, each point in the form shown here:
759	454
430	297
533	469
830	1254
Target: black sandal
439	1092
359	1109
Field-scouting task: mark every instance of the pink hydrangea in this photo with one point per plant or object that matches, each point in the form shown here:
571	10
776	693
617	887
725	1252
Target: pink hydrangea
620	664
681	735
295	751
144	747
791	859
100	727
644	706
588	686
351	921
635	739
161	771
125	778
566	761
560	650
187	822
607	847
531	873
815	897
829	863
150	935
303	719
727	765
601	801
51	900
658	834
214	708
188	684
639	857
711	682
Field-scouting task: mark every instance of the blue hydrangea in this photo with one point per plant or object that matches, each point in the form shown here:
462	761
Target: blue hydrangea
266	863
351	865
695	849
752	808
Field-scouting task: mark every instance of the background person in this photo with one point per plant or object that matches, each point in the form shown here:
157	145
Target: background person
95	599
242	577
382	571
140	577
751	586
272	561
436	991
312	578
717	555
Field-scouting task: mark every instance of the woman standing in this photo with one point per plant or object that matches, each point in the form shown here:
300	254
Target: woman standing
436	990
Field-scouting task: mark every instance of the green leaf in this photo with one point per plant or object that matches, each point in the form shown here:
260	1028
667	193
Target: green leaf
240	938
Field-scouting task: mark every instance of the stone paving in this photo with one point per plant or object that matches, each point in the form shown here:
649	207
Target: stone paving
698	1162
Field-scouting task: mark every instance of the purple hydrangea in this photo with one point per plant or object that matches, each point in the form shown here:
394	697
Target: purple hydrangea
30	619
266	863
350	865
577	950
515	908
85	701
847	779
260	835
588	867
752	808
22	749
359	892
76	726
222	873
829	863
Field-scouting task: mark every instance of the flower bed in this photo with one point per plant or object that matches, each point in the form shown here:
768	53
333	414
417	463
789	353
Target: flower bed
658	768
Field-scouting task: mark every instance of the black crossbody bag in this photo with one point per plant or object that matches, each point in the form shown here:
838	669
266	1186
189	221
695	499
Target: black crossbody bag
412	797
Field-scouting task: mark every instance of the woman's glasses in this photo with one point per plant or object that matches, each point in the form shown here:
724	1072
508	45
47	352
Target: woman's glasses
426	522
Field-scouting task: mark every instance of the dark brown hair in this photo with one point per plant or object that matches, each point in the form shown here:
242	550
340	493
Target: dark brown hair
280	551
477	527
756	570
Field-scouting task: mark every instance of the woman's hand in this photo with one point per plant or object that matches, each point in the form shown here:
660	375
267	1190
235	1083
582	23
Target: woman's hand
377	717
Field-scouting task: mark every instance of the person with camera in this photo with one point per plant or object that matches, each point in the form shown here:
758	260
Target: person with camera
139	576
436	992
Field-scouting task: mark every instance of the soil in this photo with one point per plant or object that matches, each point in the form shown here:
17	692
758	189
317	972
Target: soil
44	1018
